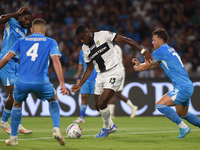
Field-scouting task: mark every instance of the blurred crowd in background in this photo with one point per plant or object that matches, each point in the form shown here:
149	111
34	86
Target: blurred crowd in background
135	19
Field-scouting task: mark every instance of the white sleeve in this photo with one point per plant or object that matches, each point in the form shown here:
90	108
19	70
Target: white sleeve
86	58
109	36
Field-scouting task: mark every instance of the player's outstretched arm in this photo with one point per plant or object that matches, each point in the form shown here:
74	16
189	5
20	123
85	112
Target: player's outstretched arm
59	73
135	45
6	59
88	71
4	18
144	66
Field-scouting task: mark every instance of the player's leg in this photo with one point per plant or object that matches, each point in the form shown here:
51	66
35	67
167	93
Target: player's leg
108	125
85	91
134	108
182	111
8	77
19	94
16	116
83	107
7	110
47	91
106	85
111	105
163	105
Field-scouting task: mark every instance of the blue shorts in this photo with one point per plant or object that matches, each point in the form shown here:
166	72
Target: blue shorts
181	94
9	72
41	91
88	87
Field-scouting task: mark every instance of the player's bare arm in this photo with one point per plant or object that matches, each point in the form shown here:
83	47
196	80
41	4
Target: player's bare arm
135	45
80	72
144	66
6	59
88	71
6	17
59	73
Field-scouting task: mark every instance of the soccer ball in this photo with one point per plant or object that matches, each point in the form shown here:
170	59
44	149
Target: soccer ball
74	131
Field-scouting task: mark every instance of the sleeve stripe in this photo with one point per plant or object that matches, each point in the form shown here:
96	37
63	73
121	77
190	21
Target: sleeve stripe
114	37
57	54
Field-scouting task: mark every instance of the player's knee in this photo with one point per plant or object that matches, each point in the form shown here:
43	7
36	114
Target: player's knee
9	102
181	114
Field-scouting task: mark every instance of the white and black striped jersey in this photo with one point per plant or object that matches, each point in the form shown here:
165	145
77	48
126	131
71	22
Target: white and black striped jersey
100	50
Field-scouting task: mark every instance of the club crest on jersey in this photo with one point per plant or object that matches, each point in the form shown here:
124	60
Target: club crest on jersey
97	42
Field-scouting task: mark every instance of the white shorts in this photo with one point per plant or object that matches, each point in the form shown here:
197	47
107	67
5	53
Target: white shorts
110	79
123	80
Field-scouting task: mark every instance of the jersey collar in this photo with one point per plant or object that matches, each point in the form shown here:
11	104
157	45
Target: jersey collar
165	44
37	34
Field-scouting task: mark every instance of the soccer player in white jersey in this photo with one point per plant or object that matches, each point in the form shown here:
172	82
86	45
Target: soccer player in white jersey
15	28
167	58
99	52
118	93
35	51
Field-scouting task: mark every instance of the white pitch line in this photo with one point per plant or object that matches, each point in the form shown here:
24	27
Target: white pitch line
112	134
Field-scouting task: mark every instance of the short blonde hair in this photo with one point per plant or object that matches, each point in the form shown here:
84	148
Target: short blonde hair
38	24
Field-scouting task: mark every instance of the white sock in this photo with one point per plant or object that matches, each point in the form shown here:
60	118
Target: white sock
107	121
56	129
13	137
112	109
182	125
3	121
129	103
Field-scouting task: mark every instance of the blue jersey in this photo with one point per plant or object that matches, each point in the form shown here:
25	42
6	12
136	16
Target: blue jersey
171	63
81	61
12	32
34	57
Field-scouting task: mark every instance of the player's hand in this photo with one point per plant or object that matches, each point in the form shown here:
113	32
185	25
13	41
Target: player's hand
75	88
148	56
63	89
135	61
21	10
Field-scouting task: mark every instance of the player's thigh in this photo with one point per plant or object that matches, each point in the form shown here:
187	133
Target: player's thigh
166	100
44	91
8	73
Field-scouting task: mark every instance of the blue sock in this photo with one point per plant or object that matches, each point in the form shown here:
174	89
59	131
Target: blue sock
54	110
169	113
6	115
82	111
193	119
16	116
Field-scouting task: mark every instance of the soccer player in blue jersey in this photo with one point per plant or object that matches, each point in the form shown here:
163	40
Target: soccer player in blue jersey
15	28
86	89
167	58
35	51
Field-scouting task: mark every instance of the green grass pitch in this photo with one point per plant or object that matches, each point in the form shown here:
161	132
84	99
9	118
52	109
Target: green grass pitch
139	133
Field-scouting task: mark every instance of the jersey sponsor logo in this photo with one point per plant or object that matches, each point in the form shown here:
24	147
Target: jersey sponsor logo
35	39
96	53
